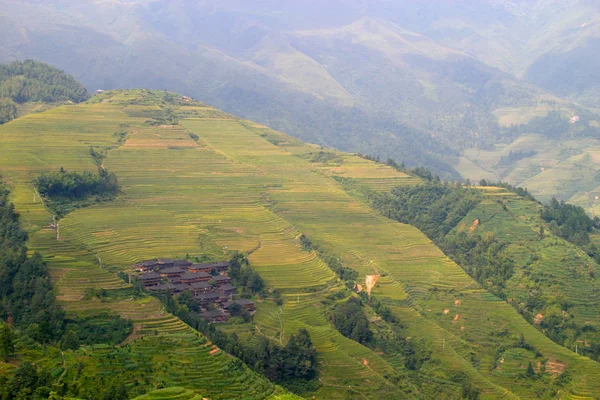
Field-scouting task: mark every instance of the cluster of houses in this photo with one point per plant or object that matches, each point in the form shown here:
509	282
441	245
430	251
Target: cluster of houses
209	283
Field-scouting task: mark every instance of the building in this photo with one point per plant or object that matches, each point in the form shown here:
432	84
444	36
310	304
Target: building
190	277
221	266
245	303
181	263
206	298
200	268
171	272
163	287
99	91
200	287
165	263
146	265
222	279
150	279
215	316
181	287
227	289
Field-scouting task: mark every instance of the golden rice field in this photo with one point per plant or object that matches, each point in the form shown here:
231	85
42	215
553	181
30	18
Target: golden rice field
241	186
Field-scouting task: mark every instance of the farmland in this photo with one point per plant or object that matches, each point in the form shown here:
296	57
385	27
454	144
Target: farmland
213	183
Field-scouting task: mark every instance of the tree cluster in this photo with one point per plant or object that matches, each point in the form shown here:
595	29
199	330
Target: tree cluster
74	185
243	276
350	320
65	190
569	222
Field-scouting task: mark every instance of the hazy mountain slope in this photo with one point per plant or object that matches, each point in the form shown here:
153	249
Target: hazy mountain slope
416	81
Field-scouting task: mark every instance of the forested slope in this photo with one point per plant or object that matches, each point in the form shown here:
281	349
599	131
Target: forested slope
32	81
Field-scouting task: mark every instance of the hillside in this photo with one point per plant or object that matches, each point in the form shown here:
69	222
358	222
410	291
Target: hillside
199	182
32	86
434	84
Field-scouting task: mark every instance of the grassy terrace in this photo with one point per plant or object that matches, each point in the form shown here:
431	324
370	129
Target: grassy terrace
240	186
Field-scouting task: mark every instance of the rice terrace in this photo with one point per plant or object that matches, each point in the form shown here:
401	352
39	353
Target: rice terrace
201	186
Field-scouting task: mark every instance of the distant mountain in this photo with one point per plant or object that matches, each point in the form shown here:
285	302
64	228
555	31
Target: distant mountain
420	82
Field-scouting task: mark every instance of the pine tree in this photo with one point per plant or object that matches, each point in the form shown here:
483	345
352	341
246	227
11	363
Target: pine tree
6	341
530	371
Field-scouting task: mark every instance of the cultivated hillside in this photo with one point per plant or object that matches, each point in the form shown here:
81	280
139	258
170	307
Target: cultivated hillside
198	182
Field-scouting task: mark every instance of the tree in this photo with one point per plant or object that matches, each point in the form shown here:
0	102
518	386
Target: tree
6	341
530	371
70	341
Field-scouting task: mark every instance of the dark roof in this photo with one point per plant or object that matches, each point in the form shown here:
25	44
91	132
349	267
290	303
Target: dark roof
172	270
221	278
207	296
221	264
241	302
200	285
227	287
147	263
181	286
189	275
163	286
201	266
181	263
213	314
149	275
164	260
192	275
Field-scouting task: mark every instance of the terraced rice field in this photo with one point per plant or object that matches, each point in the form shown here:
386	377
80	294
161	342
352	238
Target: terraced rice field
244	187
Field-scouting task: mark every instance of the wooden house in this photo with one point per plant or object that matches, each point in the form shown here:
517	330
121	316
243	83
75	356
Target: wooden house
172	272
215	316
181	263
226	289
200	287
150	279
245	303
165	263
163	287
206	298
181	287
190	277
200	268
222	279
221	266
146	265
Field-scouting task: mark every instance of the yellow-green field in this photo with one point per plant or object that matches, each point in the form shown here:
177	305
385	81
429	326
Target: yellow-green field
244	187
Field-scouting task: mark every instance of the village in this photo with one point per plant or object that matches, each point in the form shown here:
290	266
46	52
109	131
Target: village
209	283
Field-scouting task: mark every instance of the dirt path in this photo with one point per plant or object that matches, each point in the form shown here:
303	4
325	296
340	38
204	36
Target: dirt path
280	326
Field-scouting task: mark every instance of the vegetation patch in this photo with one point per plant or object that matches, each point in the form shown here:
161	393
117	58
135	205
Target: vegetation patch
32	81
65	191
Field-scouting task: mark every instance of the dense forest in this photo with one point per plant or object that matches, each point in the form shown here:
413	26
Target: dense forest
26	295
25	81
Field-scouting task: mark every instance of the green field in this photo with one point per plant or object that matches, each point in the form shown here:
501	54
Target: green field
241	186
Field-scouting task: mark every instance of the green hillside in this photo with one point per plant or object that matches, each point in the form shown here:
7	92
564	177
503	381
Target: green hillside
198	182
550	269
